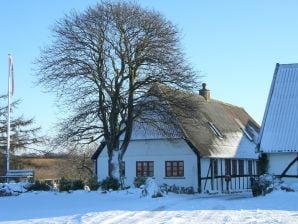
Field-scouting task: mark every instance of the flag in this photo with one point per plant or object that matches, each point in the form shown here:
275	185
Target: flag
11	74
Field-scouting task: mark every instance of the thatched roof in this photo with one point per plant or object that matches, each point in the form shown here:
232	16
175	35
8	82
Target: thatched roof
214	128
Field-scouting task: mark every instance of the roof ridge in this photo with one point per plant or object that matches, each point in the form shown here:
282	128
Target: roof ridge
289	64
228	104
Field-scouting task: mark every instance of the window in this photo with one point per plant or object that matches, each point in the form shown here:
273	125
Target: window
215	130
174	169
215	168
234	167
144	169
241	167
242	127
227	166
249	167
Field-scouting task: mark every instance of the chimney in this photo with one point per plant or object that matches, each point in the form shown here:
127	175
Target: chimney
205	92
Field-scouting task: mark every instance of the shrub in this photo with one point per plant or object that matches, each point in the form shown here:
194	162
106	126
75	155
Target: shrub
263	184
93	184
263	161
68	185
38	186
110	183
77	185
157	195
139	181
64	185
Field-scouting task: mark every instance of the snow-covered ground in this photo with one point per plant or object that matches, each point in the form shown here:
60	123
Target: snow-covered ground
129	207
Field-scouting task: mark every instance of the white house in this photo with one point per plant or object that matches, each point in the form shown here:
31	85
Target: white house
279	133
215	152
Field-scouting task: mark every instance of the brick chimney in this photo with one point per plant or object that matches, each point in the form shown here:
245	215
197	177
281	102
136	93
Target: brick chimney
205	92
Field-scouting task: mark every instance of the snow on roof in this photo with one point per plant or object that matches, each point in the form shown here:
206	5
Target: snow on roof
280	122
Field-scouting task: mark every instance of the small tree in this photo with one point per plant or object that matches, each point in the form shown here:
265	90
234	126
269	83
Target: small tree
23	133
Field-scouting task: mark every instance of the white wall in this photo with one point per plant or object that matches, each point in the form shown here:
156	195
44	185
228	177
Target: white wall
102	165
159	151
278	163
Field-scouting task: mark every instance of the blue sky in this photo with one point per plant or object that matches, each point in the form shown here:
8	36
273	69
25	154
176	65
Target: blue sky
234	44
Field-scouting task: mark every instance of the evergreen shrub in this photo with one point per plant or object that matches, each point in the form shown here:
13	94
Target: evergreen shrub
38	186
110	183
64	185
263	184
139	181
77	185
93	184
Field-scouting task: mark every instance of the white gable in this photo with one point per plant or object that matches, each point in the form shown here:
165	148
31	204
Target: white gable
280	123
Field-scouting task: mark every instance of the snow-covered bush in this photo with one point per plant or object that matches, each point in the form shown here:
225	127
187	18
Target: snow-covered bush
110	183
151	189
264	184
9	189
139	181
5	191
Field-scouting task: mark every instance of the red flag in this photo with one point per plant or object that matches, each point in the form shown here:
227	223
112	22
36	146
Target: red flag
10	61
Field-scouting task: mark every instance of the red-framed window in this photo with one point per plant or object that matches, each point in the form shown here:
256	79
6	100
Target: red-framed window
174	168
144	168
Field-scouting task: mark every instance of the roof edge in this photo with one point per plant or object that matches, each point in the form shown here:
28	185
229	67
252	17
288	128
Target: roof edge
267	105
98	151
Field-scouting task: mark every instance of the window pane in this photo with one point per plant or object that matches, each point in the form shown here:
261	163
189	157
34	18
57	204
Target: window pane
241	167
249	167
227	166
234	167
215	168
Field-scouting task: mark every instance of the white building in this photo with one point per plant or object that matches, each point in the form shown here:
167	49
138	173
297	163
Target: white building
279	132
216	151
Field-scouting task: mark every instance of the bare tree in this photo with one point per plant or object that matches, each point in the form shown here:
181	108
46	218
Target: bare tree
102	64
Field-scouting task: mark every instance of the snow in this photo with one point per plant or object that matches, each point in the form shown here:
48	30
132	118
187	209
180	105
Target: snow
151	188
129	207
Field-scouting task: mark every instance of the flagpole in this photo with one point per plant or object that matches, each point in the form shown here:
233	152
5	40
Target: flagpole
8	111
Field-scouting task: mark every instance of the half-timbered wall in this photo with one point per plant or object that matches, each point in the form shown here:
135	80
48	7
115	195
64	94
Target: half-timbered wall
278	162
225	175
